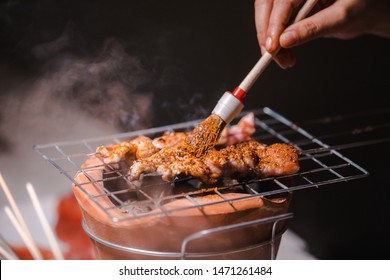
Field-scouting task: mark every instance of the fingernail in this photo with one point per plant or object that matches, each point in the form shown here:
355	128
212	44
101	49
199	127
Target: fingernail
288	39
268	43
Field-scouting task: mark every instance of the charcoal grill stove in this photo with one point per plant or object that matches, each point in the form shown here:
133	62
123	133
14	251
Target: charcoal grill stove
320	165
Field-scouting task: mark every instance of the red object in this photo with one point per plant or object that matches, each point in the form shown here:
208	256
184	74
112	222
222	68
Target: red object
24	254
239	93
70	231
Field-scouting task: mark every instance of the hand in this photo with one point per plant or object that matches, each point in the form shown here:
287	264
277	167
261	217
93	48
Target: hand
342	19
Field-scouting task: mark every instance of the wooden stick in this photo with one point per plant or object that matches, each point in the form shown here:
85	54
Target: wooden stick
6	250
17	213
12	202
5	246
55	247
6	254
267	57
31	246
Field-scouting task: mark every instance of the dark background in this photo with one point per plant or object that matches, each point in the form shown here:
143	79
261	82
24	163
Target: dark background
188	53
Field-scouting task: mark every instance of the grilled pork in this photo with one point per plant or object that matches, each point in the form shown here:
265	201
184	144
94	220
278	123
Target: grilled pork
244	160
143	146
170	157
137	148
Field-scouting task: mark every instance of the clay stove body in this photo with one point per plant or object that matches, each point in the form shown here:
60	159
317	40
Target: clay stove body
161	232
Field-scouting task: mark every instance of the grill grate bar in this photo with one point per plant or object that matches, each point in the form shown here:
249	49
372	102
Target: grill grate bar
280	184
194	202
250	189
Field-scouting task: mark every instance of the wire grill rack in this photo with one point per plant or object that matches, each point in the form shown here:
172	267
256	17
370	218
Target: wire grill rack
320	165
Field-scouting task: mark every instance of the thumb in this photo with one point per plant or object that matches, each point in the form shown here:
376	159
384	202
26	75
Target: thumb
317	25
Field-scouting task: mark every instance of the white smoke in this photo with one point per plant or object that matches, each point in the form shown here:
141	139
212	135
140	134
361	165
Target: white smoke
74	97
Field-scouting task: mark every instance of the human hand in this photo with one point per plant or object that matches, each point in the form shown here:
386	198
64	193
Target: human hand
342	19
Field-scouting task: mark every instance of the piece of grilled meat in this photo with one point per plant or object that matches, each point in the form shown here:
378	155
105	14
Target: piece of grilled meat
244	160
169	156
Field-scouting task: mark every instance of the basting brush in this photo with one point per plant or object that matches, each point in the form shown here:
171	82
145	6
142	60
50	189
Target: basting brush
205	136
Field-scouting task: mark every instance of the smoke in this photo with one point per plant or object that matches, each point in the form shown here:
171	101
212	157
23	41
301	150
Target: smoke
104	86
71	96
107	86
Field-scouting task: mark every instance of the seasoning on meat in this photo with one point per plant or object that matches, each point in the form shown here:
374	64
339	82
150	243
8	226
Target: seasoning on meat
172	155
143	146
139	147
240	161
205	136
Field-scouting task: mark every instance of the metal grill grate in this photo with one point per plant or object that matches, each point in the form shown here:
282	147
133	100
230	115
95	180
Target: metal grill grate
320	165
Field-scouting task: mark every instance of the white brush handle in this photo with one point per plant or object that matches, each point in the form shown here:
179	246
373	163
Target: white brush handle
267	57
228	107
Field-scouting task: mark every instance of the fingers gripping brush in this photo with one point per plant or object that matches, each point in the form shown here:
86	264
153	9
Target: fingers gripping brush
206	134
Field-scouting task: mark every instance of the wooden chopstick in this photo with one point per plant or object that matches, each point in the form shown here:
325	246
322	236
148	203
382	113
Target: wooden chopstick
30	244
17	219
54	246
6	251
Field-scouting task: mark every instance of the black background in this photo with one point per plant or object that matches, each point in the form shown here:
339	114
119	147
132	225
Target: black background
192	51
